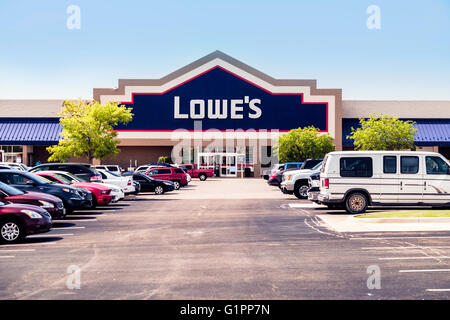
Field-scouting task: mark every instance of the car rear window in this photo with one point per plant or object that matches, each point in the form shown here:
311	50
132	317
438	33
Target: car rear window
291	165
356	167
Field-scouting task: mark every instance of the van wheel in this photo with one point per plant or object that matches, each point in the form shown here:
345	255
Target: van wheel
11	231
202	176
176	184
301	190
356	203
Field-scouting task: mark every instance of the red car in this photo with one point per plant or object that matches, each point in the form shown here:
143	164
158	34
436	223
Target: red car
19	220
194	172
176	175
52	204
100	193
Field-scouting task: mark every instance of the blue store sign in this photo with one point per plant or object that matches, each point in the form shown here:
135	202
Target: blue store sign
223	100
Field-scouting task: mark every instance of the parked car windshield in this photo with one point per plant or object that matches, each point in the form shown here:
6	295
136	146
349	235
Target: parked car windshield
317	166
63	179
41	179
71	177
10	190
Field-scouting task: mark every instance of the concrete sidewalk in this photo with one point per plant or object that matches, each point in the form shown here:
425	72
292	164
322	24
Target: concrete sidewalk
345	223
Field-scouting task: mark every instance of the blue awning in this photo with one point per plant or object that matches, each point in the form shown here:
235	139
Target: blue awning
430	132
19	131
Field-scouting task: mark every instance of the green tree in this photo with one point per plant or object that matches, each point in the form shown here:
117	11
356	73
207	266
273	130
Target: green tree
303	143
164	159
383	133
88	130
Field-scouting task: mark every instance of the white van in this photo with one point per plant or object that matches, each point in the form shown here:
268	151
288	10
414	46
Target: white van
358	179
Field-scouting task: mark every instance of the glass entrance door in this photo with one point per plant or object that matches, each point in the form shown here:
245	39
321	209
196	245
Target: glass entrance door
228	165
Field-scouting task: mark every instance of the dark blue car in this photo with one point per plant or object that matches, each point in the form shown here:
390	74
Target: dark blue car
73	198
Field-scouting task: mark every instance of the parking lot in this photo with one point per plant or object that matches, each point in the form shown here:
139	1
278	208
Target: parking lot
221	239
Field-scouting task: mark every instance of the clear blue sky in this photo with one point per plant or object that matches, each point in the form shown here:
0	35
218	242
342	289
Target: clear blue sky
408	58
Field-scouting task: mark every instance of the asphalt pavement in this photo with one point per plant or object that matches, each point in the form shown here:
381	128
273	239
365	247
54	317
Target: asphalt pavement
221	239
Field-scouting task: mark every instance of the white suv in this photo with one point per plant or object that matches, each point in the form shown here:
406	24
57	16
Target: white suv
296	181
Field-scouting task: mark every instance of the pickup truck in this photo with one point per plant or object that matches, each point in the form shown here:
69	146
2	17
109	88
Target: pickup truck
194	172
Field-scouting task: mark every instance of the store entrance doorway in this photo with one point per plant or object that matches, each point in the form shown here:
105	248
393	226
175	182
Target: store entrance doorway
224	164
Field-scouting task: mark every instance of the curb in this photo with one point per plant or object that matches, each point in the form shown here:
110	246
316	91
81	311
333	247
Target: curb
399	220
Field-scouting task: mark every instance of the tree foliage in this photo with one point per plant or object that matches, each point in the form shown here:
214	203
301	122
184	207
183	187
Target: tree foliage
88	130
383	133
303	143
164	159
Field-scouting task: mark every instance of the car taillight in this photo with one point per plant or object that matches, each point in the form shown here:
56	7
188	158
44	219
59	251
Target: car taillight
95	178
129	182
326	183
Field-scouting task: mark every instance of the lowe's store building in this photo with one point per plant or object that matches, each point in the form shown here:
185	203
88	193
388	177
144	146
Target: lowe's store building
216	111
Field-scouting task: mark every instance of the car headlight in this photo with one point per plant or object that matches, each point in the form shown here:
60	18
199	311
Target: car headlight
32	214
103	192
45	204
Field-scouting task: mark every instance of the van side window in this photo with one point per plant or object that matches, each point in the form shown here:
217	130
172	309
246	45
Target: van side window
436	165
409	164
390	164
356	167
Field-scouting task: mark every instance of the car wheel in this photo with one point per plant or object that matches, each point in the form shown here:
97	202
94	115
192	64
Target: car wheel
301	190
202	177
176	185
159	190
11	231
356	203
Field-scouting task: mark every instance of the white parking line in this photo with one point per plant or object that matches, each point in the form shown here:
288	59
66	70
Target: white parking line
26	244
424	270
415	258
438	290
195	232
305	205
81	220
50	235
17	250
378	238
68	228
401	248
5	257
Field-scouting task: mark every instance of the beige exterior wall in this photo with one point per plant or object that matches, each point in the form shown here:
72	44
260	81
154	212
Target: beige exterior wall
30	108
400	109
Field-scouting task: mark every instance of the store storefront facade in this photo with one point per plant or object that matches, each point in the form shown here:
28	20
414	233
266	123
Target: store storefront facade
216	111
